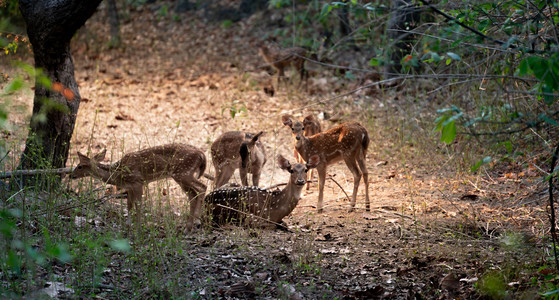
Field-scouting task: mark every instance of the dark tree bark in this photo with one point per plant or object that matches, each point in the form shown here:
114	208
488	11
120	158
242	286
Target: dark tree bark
183	6
50	27
114	21
403	17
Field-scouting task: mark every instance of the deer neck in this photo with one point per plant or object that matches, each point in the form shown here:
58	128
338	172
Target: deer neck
287	200
105	172
303	147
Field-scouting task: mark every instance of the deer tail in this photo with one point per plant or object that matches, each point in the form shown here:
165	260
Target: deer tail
202	166
365	141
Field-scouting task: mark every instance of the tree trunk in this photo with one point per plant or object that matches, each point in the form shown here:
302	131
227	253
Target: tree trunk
114	21
50	27
403	17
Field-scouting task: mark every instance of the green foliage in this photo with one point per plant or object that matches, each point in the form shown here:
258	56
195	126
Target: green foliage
17	252
493	285
446	123
235	109
546	70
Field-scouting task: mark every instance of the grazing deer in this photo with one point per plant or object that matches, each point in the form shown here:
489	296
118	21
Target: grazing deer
348	142
312	127
280	59
237	204
238	150
184	163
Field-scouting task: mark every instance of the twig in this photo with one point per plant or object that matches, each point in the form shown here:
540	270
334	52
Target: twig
251	215
35	172
551	206
210	177
341	188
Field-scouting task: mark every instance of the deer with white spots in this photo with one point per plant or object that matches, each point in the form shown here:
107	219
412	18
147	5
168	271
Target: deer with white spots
238	150
239	205
184	163
348	142
312	127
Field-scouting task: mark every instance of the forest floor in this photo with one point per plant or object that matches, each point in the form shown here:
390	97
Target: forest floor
433	231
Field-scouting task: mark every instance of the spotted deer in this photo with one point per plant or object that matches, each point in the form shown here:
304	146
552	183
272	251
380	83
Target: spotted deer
281	59
184	163
250	205
348	142
238	150
312	127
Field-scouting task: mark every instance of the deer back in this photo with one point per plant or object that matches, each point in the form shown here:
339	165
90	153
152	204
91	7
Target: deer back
145	165
234	205
238	148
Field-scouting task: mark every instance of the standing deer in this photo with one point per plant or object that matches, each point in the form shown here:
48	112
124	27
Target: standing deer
184	163
281	59
348	142
312	127
238	150
237	204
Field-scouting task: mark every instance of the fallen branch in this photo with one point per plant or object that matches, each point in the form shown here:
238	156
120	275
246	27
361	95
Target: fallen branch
35	172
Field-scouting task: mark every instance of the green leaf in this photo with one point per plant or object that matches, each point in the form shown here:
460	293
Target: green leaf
375	62
544	117
453	55
448	133
326	9
480	163
14	85
523	68
122	245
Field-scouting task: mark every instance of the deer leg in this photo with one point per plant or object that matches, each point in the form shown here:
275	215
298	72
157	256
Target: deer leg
321	181
134	200
243	173
363	167
352	165
223	175
195	191
309	178
256	177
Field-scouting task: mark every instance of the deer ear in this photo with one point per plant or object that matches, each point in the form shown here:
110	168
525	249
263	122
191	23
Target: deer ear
284	163
313	162
100	156
83	158
308	120
255	138
286	120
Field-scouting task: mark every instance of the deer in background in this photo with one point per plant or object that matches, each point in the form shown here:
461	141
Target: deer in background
237	204
311	127
281	59
184	163
238	150
348	142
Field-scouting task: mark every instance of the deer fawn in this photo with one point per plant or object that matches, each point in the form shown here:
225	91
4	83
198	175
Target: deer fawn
280	59
184	163
348	142
237	204
312	127
238	150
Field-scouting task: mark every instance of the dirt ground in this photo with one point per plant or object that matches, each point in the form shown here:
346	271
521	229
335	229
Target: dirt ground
432	231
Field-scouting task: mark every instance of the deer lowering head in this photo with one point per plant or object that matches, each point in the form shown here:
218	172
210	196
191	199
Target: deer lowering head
240	205
238	150
348	142
281	59
184	163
